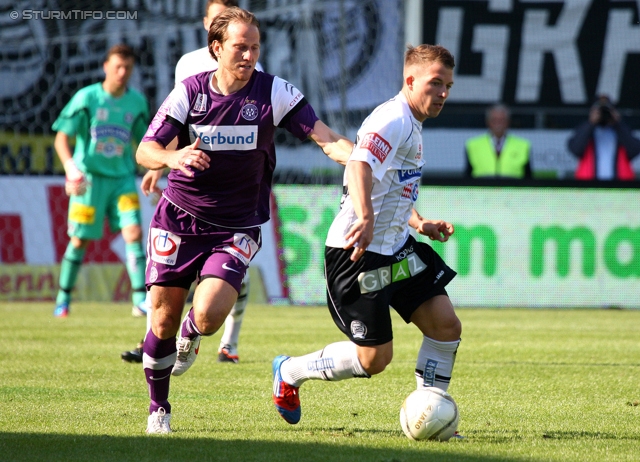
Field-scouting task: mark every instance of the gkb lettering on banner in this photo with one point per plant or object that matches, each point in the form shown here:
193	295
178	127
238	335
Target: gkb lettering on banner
511	41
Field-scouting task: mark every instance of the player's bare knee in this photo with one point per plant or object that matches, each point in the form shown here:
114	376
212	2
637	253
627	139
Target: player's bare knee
376	364
455	329
450	331
79	243
132	233
165	327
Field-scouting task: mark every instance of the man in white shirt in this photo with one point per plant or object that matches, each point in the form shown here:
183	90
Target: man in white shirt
371	260
200	60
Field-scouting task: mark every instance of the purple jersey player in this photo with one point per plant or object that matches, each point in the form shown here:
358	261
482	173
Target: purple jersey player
207	223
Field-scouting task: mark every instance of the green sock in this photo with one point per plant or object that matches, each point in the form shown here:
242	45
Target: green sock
136	267
69	268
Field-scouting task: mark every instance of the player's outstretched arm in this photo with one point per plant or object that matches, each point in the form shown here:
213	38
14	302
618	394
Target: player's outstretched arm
155	156
436	230
335	146
360	183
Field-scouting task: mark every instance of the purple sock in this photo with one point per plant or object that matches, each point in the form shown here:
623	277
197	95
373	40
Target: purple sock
159	358
188	328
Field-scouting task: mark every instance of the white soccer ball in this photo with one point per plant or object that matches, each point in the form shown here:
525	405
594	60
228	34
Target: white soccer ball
429	414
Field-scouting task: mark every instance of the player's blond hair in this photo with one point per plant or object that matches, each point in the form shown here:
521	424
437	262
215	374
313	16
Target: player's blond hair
423	54
220	25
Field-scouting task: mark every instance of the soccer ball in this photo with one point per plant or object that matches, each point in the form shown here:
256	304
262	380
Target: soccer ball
429	414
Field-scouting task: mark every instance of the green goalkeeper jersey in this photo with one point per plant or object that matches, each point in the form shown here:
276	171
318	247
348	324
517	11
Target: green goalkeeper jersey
105	128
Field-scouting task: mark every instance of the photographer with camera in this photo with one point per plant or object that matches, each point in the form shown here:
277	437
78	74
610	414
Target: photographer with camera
604	144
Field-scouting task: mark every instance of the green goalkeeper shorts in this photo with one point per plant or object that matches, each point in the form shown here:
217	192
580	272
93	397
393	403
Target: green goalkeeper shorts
113	198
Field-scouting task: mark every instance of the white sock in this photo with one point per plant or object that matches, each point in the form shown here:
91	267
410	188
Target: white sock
435	363
337	361
233	323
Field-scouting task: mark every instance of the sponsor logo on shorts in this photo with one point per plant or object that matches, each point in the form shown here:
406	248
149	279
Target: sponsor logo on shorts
82	214
153	274
164	246
429	374
358	330
376	145
404	253
243	248
228	268
128	202
378	279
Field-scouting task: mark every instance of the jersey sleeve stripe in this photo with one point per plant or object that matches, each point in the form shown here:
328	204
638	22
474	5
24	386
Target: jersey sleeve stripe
303	102
173	121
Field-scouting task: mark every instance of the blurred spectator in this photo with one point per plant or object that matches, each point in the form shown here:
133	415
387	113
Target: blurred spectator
498	154
604	144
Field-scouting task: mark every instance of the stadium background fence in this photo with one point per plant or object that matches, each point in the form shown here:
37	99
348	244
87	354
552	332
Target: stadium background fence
546	60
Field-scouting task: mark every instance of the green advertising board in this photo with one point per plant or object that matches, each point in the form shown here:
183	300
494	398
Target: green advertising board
541	247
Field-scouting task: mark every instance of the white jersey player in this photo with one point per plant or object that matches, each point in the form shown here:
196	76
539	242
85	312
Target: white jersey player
371	260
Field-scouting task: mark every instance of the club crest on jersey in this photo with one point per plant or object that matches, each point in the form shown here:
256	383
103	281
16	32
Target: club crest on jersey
249	111
164	246
201	103
358	330
376	145
243	248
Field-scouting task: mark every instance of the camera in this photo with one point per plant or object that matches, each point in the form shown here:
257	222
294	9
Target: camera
605	115
605	110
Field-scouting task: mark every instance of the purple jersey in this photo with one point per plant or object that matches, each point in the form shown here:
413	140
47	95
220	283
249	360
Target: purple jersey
236	131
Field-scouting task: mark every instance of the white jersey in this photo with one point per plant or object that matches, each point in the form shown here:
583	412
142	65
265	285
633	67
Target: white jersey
390	141
198	61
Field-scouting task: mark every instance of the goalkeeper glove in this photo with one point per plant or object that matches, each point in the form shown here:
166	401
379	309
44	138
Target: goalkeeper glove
76	183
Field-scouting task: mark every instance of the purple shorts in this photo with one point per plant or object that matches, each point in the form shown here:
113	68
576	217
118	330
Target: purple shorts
182	248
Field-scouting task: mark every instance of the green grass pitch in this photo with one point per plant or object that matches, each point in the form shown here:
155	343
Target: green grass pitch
535	385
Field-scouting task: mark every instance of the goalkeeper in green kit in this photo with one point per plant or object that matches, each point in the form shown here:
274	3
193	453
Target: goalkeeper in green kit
105	118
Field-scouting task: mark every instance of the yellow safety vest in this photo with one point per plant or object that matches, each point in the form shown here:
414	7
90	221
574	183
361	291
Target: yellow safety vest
485	162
